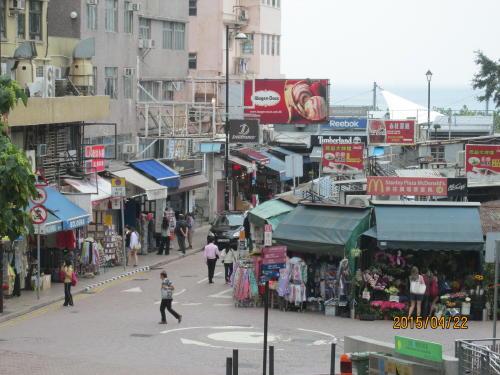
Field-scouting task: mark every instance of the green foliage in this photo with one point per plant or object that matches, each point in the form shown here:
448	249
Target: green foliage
487	79
17	182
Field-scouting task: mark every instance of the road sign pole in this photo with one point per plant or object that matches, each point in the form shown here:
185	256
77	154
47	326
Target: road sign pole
266	315
39	263
122	204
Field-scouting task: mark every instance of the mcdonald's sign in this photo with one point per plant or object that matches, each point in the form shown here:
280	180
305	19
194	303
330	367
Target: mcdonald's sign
414	186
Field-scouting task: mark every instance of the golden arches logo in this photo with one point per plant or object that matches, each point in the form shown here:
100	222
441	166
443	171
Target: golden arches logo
376	185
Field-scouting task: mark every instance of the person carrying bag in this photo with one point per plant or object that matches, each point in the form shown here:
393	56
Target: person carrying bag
417	291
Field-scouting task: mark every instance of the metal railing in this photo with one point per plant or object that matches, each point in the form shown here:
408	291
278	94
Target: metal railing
478	357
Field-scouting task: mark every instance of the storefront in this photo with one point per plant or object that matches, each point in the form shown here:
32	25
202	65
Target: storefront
243	179
182	199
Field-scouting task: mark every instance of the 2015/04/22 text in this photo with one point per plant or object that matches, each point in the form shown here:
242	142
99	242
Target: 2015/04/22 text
443	322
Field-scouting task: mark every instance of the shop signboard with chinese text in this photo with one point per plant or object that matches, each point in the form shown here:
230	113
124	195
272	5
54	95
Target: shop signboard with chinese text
318	140
280	101
94	158
391	132
342	158
273	259
118	187
412	186
345	123
482	163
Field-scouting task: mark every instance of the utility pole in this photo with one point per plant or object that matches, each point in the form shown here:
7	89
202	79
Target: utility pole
374	96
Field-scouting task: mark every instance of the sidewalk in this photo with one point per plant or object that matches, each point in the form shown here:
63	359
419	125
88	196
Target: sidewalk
16	306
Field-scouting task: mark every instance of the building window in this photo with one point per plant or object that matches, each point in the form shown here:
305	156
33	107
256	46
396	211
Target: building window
247	45
193	59
91	16
21	25
262	44
437	153
167	35
268	44
193	8
174	35
167	91
278	46
111	80
128	18
128	83
94	80
179	35
151	91
273	44
35	20
278	3
2	18
111	15
144	28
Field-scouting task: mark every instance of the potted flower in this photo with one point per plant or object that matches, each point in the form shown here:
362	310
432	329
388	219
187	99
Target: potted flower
393	292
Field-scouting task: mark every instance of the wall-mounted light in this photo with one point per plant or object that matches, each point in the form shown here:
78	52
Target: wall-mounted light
73	15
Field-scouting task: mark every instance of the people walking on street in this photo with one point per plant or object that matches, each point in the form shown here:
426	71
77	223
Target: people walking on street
165	237
190	224
135	246
211	254
417	291
67	271
167	295
228	258
128	232
181	231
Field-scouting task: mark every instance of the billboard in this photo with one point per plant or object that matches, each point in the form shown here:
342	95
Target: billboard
413	186
280	101
482	163
94	158
318	140
244	131
391	132
345	123
342	158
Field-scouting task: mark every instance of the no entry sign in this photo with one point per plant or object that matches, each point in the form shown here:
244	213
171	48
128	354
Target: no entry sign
38	214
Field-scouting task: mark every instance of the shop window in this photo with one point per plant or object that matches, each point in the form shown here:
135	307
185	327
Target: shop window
437	153
35	18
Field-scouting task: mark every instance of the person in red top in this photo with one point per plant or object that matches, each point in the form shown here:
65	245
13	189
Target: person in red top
211	254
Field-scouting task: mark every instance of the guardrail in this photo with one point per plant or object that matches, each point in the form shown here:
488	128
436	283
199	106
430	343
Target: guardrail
478	357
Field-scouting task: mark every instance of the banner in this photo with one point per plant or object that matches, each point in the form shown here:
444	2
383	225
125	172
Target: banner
415	186
244	131
94	158
457	187
345	123
342	159
318	140
482	163
391	132
279	101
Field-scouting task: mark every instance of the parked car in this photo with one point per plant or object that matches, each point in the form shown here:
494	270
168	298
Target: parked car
226	228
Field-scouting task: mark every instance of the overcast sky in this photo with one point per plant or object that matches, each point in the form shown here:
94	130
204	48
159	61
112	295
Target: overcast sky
393	42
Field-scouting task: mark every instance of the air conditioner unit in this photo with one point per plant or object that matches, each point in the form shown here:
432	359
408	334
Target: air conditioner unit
146	43
461	159
92	2
49	81
358	200
17	5
129	148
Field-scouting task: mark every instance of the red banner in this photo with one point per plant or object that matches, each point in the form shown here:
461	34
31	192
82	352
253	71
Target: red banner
391	132
274	255
279	101
414	186
482	162
342	158
94	156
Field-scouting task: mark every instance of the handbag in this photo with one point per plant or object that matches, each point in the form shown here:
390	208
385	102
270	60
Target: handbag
137	247
418	287
74	279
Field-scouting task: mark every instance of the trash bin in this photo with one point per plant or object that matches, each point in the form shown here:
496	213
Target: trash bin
360	363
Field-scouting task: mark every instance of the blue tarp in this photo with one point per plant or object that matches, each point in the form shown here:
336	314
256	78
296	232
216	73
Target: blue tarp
276	164
158	171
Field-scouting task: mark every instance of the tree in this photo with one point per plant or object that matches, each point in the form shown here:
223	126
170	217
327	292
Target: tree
487	79
17	182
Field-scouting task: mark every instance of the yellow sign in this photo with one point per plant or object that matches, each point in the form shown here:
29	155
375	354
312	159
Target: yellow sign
117	182
108	220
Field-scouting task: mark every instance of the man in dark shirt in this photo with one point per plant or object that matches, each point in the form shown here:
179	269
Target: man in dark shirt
181	231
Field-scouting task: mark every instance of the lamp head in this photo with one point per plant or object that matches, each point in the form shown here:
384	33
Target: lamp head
428	75
241	36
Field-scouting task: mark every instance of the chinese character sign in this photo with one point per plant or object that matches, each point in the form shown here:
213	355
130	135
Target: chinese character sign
391	132
342	158
482	163
94	158
408	186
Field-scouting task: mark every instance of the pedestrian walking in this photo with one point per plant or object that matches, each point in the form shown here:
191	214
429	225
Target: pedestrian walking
67	272
181	231
190	224
167	295
135	246
128	232
211	254
228	258
165	237
417	291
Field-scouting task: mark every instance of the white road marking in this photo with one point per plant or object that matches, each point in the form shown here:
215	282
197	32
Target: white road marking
206	278
159	302
179	293
133	290
223	304
222	294
192	304
241	337
205	345
320	342
206	327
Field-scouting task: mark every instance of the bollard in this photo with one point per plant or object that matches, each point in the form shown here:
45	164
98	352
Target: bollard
271	360
345	365
332	359
235	362
229	366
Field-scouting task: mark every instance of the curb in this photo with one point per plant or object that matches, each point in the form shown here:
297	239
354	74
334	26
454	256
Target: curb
89	287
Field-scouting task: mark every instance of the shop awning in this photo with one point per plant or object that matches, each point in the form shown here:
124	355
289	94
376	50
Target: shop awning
316	154
272	212
254	155
63	214
276	165
240	161
190	183
97	192
322	230
436	227
158	171
153	190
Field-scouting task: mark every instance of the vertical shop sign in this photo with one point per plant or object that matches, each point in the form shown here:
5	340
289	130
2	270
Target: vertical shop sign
268	235
94	158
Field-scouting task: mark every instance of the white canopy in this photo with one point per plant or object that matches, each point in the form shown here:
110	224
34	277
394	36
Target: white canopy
401	108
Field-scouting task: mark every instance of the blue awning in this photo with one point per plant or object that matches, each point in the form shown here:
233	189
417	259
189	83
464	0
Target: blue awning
276	165
63	214
158	171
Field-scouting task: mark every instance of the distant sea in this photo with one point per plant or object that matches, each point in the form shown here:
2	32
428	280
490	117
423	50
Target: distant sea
446	97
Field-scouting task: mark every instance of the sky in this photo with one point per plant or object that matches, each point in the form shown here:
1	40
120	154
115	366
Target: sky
392	42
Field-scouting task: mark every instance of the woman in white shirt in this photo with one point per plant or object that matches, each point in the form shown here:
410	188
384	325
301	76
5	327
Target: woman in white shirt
228	256
135	246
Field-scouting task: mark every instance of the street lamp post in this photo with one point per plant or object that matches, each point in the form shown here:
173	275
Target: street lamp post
429	77
239	36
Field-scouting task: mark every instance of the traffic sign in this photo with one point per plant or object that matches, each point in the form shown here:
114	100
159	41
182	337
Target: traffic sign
118	187
38	214
41	195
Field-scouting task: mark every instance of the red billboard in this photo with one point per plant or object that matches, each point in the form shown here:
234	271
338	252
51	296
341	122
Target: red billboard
482	162
94	158
342	158
391	132
413	186
279	101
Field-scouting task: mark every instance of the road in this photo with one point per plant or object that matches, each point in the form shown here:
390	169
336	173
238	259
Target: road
115	330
